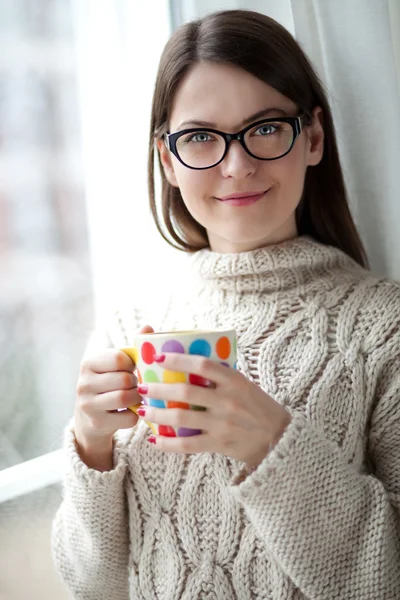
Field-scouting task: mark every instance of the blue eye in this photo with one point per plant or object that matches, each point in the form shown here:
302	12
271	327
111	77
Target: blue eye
265	129
198	138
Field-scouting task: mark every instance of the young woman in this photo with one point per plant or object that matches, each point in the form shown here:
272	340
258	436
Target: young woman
292	490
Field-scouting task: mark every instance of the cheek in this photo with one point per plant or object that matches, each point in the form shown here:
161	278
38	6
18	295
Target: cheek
289	171
194	185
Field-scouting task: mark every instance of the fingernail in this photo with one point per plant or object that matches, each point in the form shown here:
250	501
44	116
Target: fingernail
141	412
151	439
159	358
143	389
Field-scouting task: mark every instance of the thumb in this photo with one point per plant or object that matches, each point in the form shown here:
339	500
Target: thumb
146	329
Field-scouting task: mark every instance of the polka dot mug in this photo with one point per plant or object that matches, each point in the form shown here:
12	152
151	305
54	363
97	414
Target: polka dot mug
217	345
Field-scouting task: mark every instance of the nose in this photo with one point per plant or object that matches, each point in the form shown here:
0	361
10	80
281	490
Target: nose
237	163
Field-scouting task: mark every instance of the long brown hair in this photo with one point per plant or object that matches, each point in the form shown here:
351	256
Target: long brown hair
264	48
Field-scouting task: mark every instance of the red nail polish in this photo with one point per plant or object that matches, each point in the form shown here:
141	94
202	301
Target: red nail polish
143	389
151	439
159	358
141	412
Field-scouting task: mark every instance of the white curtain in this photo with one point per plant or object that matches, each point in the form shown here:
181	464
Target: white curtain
355	47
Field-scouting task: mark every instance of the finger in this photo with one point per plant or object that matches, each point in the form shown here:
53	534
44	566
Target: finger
177	417
181	392
186	445
197	365
109	382
109	360
146	329
116	400
120	420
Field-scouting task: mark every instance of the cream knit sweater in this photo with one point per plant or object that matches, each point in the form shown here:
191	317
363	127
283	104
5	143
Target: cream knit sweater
319	518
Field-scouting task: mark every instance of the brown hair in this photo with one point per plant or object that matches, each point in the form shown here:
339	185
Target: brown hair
264	48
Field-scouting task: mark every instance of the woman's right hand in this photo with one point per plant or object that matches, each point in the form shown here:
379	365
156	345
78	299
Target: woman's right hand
106	387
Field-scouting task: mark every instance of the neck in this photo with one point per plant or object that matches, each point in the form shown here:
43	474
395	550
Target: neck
286	232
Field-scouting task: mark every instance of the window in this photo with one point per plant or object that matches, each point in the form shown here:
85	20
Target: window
71	92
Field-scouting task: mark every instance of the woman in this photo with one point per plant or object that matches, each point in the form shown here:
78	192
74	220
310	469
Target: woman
292	488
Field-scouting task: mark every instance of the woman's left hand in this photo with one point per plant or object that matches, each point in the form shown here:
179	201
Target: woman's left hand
240	421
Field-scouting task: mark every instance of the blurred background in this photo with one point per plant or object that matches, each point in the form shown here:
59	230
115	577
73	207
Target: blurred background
46	300
76	80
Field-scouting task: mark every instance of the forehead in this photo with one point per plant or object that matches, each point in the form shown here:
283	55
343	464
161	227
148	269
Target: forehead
224	95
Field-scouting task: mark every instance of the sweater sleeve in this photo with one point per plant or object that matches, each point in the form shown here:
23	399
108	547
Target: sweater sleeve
333	530
90	543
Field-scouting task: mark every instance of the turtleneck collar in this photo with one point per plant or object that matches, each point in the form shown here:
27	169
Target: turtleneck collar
279	267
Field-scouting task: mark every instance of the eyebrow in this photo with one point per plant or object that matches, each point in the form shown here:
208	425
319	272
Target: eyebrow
257	115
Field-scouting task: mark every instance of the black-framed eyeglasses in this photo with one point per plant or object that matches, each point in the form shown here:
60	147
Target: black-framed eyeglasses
203	148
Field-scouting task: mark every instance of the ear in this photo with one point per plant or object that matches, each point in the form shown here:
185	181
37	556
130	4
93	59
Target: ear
166	161
315	134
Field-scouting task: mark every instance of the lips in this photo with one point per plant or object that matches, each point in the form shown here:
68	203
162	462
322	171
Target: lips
243	199
242	195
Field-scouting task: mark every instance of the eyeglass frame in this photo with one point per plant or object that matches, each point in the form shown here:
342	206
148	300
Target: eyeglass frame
297	124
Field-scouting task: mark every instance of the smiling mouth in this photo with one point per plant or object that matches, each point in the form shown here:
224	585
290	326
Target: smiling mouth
242	195
243	199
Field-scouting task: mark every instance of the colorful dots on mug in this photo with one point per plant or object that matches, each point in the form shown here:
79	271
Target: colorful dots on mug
173	346
175	404
219	347
148	352
156	403
173	377
168	431
186	432
150	376
223	347
200	347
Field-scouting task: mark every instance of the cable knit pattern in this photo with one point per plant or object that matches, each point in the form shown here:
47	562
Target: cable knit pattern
319	518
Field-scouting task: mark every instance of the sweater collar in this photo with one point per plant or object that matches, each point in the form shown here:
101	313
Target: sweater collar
276	268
